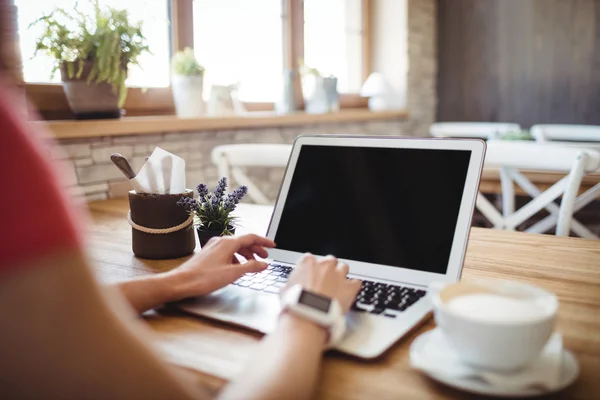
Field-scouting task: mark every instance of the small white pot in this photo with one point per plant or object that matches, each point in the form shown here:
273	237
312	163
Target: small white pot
187	95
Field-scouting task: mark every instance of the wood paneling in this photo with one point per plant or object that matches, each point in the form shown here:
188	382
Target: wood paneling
182	24
524	61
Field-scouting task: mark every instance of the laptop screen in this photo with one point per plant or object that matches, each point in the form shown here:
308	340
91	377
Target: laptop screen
389	206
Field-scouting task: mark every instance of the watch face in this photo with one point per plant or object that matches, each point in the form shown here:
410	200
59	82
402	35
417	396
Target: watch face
313	300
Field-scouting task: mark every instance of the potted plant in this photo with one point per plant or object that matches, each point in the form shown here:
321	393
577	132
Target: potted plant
516	135
212	210
93	53
187	83
319	92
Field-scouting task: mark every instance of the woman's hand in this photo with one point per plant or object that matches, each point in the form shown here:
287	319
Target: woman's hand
286	366
211	269
217	265
327	277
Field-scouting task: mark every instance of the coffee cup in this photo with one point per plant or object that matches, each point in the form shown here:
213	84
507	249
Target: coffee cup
499	325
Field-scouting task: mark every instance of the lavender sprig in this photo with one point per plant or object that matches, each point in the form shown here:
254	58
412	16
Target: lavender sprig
234	198
229	203
190	205
220	189
202	192
214	201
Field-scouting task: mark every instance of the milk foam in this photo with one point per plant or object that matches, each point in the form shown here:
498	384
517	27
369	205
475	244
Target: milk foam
488	307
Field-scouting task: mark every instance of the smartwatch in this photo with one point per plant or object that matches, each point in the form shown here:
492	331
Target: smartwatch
322	310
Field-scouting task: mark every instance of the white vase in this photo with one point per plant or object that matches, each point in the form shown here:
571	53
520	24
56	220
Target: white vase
314	94
187	95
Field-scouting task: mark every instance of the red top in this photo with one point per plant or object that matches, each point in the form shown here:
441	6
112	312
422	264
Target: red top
36	218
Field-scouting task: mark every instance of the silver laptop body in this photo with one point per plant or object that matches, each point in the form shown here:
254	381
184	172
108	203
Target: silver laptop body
396	210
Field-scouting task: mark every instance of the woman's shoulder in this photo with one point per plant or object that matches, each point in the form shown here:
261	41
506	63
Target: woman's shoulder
36	217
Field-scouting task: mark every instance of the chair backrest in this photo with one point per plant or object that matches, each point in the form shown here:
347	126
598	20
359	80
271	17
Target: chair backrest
537	156
564	132
511	157
230	159
480	130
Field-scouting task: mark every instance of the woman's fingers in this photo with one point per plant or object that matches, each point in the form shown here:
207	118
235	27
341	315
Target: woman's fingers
247	254
355	284
250	266
329	261
245	241
259	251
343	268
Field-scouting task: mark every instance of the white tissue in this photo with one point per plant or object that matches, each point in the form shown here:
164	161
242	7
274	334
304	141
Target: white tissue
163	173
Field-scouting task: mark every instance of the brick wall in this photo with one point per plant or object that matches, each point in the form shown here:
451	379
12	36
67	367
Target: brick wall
90	174
422	65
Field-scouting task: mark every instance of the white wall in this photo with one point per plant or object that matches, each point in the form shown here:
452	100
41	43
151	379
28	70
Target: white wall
389	45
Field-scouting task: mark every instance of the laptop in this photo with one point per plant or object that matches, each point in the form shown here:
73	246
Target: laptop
396	210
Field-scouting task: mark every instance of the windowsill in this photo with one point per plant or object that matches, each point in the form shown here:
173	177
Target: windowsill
69	129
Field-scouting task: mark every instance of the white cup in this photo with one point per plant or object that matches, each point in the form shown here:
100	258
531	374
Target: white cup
490	342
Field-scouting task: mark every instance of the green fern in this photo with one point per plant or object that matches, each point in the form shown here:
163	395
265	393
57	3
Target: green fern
107	38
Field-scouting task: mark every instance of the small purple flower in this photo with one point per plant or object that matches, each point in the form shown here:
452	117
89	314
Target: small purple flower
229	203
220	189
202	192
214	201
240	192
190	205
234	198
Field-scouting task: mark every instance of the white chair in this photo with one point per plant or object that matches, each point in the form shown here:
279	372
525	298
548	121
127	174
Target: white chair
578	136
230	159
511	157
477	130
588	134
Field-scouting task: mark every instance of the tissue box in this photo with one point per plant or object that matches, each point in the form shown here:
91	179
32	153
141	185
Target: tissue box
158	226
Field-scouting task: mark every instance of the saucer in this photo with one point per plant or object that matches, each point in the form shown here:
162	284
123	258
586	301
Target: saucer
460	379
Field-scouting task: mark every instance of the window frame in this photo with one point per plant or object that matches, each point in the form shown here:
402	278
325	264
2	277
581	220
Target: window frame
52	103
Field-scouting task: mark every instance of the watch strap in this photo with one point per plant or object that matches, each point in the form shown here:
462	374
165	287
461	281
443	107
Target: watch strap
336	330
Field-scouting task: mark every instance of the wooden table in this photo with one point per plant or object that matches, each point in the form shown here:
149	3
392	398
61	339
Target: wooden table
569	267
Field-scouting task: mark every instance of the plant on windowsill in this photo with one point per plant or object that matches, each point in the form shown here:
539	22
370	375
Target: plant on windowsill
212	210
319	92
93	53
516	135
187	82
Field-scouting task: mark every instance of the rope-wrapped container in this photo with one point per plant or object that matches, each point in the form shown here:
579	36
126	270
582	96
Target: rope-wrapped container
160	229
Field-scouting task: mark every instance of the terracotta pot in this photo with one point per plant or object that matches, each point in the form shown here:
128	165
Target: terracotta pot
89	100
205	235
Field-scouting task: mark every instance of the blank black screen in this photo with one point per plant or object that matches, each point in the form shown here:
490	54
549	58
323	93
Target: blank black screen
396	207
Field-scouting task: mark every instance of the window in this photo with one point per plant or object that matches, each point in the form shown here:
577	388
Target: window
333	40
248	42
240	41
154	69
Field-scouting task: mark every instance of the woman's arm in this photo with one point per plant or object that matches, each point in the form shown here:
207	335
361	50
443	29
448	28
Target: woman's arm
205	272
286	365
62	337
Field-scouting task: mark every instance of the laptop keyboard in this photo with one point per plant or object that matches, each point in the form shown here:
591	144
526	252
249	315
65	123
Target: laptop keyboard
270	280
373	297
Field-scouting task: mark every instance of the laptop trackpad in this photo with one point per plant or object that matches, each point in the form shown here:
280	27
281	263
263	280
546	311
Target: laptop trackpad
245	307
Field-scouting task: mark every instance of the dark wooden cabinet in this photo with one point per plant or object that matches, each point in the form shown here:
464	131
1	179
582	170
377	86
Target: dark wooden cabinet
524	61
